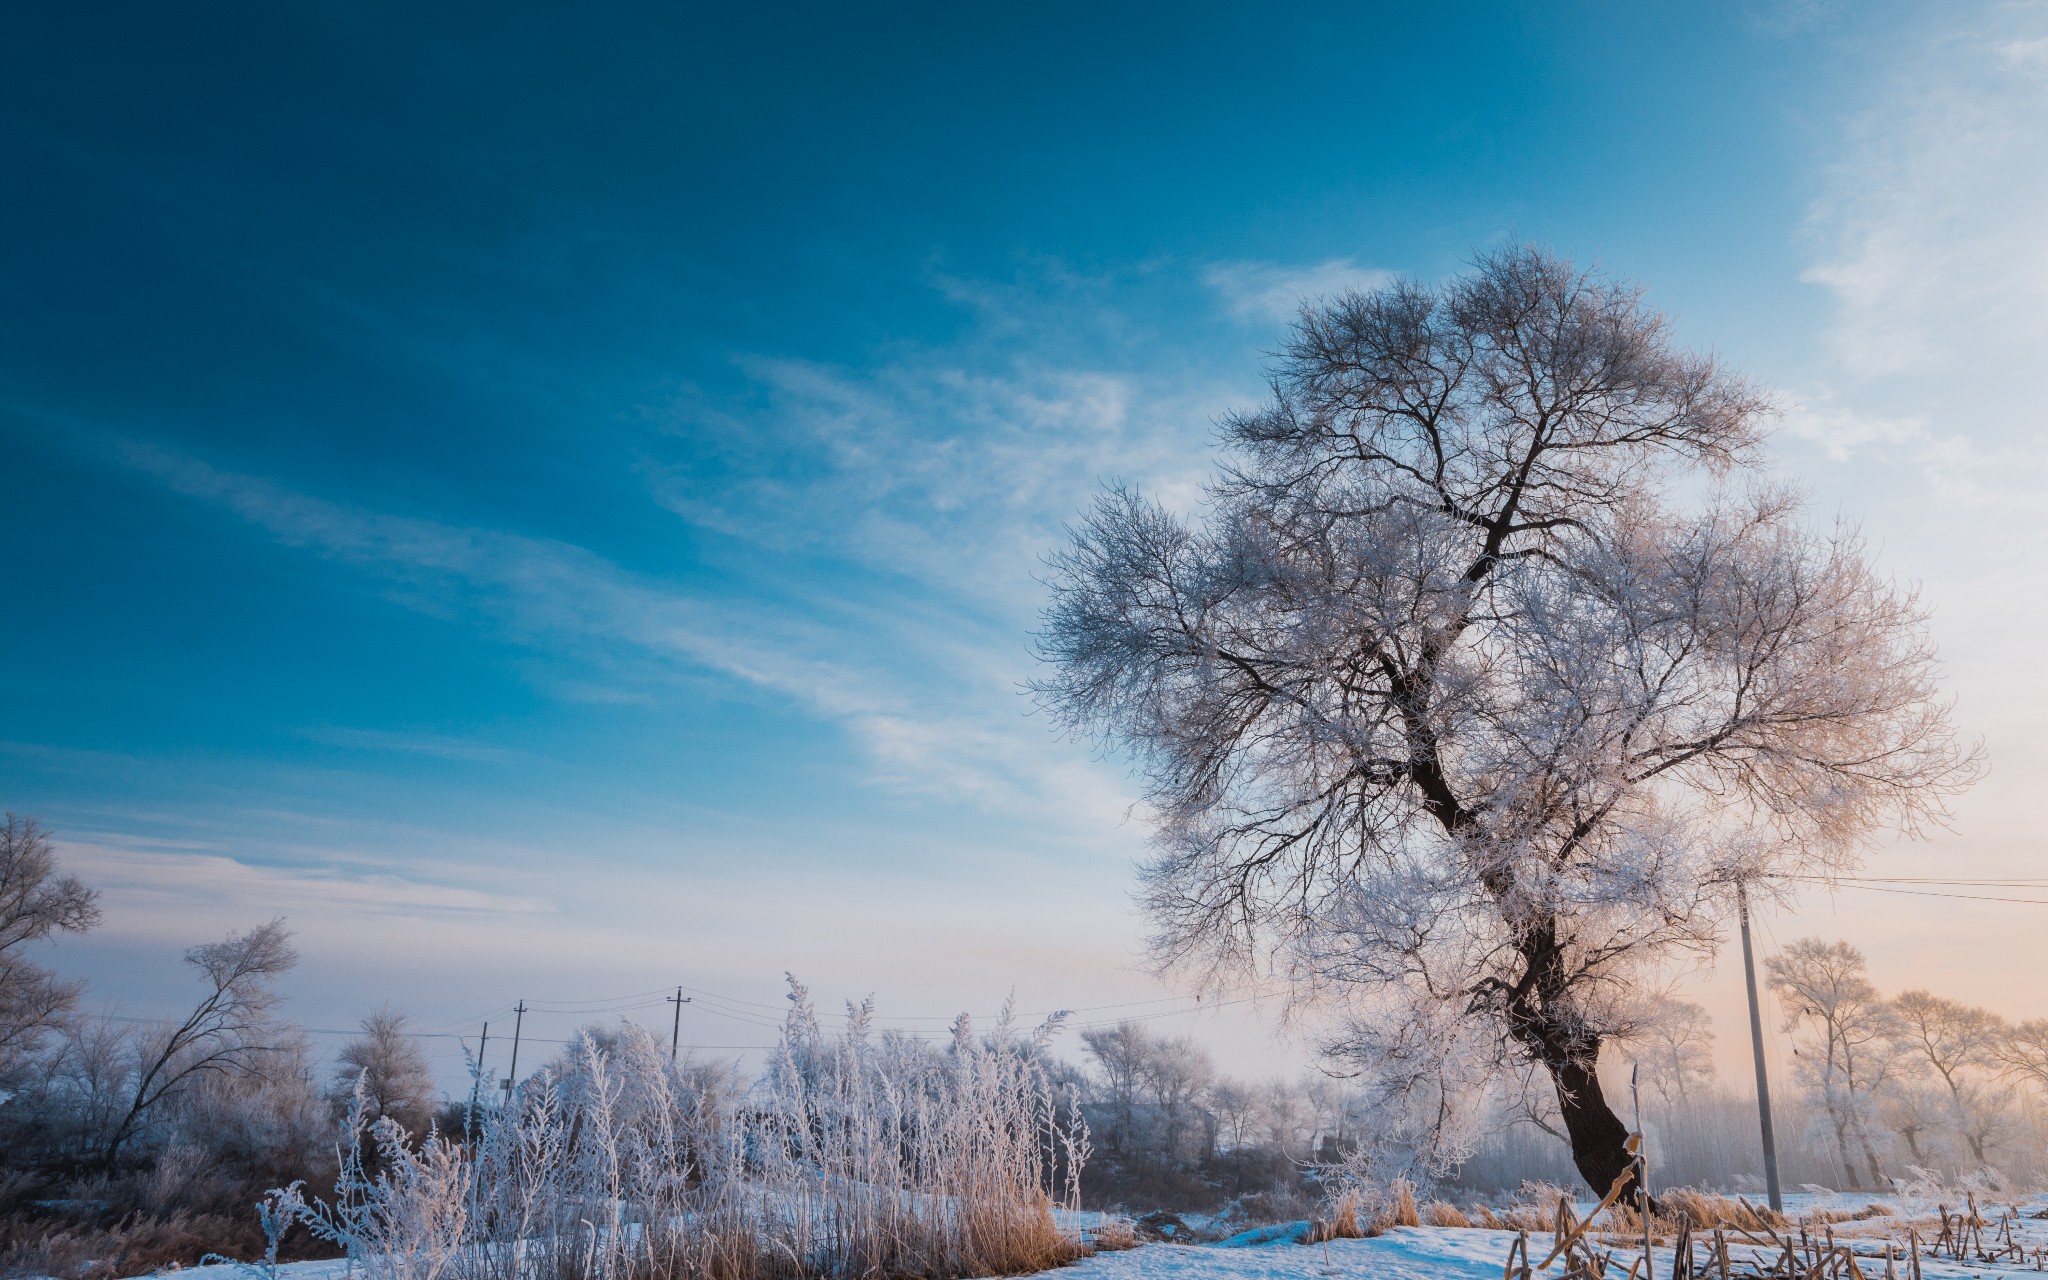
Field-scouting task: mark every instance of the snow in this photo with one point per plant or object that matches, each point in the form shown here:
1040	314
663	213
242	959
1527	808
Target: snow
1403	1253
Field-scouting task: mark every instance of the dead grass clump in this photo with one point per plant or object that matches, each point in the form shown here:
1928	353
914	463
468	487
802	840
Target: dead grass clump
1344	1223
1442	1213
1115	1235
1401	1209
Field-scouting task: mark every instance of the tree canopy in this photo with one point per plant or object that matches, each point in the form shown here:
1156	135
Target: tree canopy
1492	663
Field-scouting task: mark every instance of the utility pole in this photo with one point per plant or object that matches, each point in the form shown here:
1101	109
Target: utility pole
512	1076
476	1077
1635	1097
675	1039
1756	1041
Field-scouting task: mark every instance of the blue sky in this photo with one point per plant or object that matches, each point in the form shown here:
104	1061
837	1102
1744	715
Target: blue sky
548	499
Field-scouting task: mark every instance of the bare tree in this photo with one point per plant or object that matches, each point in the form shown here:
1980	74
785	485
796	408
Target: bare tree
1954	1041
1825	993
391	1072
1479	683
35	902
229	1030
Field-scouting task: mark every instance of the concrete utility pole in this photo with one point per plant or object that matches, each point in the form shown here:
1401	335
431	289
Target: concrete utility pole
1635	1097
675	1039
1756	1041
512	1075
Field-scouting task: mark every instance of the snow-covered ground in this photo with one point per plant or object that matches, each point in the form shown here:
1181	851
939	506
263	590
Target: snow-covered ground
1422	1253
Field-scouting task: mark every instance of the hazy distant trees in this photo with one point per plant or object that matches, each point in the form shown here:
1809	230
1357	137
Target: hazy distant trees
1122	1054
1159	1107
1931	1069
1493	662
35	902
2022	1053
1675	1043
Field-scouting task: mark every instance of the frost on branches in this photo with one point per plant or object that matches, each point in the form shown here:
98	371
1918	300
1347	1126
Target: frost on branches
1490	667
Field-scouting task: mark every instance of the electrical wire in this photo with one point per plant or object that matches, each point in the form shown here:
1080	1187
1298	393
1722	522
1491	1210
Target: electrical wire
1890	886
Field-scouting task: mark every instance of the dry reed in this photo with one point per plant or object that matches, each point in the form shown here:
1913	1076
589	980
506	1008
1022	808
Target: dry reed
853	1158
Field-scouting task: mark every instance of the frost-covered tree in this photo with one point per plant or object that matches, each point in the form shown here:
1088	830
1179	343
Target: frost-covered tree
1122	1054
1238	1109
2022	1052
1287	1114
1178	1073
1848	1051
1955	1042
229	1031
390	1071
1490	666
35	902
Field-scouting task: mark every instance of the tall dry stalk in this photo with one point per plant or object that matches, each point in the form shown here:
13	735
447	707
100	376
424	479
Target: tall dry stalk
855	1156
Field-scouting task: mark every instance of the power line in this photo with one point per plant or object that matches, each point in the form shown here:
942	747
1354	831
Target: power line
753	1013
417	1035
2017	882
1930	893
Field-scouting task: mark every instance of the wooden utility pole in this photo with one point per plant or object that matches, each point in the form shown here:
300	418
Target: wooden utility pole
512	1075
476	1077
675	1039
1756	1042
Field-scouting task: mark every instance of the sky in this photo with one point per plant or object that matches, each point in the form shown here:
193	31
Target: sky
550	500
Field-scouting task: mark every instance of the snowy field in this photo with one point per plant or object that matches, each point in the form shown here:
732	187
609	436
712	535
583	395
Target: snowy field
1441	1253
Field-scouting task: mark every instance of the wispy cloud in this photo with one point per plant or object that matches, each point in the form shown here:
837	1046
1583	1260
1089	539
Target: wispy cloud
144	875
956	476
1267	291
930	707
1929	227
1841	432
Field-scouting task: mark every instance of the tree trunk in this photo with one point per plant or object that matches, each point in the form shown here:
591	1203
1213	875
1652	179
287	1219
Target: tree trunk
1841	1141
1599	1139
1540	1017
1877	1178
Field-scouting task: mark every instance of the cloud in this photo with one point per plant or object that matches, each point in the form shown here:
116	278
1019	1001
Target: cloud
934	468
1841	432
927	696
1267	291
146	877
1928	229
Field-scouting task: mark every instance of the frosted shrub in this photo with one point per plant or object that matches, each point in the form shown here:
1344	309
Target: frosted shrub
408	1221
854	1156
